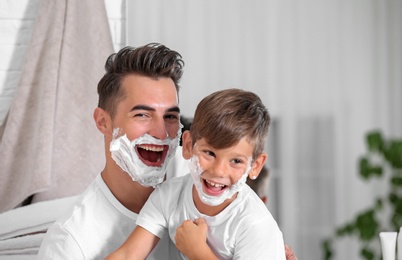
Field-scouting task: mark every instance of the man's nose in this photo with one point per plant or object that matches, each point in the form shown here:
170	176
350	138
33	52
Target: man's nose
159	129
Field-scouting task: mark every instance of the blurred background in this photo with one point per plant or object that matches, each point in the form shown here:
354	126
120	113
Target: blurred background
329	72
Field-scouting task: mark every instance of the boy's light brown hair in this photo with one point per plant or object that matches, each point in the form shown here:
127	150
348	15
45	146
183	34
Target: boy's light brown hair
224	117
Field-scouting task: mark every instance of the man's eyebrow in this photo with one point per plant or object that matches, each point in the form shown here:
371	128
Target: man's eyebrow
174	109
142	107
148	108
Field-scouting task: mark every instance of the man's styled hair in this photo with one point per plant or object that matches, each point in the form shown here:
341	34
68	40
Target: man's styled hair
152	60
224	117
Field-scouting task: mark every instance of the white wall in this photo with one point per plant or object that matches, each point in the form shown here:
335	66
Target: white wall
17	19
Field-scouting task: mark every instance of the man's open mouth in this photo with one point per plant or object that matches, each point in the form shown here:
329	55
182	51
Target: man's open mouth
152	155
213	188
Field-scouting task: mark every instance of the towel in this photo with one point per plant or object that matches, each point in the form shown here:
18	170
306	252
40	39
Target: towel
25	245
50	147
34	218
23	229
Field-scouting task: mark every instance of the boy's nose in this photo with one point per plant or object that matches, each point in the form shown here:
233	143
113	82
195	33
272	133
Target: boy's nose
219	168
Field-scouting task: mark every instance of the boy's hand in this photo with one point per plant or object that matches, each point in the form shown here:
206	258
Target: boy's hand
192	233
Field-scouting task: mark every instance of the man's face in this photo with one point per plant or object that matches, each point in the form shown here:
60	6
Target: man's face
150	107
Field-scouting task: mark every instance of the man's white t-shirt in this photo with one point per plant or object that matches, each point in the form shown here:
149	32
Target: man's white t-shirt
97	224
245	229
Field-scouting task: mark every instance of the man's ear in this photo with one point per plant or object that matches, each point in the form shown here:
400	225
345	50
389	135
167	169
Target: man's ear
102	120
257	166
187	144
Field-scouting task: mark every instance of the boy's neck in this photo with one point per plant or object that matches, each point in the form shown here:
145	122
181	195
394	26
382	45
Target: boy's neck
207	209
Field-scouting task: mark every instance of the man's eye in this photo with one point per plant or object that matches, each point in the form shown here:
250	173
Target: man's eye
173	117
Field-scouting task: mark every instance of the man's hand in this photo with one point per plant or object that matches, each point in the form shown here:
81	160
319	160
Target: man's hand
192	233
289	253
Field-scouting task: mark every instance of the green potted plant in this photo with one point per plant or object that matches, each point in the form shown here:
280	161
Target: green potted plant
382	160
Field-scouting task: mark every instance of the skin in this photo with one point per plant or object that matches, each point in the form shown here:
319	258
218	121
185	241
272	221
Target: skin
150	106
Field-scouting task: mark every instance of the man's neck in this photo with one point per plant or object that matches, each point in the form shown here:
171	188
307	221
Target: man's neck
129	193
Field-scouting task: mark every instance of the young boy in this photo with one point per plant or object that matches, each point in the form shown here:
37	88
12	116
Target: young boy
225	145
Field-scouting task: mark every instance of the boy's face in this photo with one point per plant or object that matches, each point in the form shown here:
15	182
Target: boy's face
222	168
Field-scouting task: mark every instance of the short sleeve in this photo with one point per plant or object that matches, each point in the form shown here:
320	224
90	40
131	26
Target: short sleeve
59	244
151	216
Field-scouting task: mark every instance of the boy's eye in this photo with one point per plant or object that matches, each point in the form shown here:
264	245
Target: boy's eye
237	161
209	153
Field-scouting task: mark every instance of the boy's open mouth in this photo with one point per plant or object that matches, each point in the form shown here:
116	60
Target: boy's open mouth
213	188
152	155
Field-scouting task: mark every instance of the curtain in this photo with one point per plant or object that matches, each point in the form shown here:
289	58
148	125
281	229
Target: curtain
49	145
328	71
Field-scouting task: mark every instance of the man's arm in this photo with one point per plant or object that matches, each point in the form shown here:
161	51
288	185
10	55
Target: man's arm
139	245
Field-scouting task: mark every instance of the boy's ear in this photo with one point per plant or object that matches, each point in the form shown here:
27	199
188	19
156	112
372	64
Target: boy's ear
187	144
257	166
102	120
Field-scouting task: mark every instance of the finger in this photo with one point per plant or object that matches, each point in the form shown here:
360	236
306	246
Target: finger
289	253
187	223
200	221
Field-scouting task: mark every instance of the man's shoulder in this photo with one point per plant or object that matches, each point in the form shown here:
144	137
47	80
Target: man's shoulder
87	226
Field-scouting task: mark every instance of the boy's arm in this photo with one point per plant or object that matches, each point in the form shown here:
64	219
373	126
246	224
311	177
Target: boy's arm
139	245
192	233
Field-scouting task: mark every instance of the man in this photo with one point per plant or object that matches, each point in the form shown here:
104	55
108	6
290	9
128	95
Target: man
138	100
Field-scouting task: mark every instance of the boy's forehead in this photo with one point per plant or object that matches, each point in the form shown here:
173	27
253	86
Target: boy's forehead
242	147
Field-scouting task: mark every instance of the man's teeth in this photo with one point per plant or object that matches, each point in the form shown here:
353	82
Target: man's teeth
217	185
152	148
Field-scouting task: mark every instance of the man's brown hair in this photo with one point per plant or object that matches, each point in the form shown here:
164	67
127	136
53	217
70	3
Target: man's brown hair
151	60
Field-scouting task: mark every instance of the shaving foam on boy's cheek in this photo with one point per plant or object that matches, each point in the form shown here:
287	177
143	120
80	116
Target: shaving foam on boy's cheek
124	154
196	172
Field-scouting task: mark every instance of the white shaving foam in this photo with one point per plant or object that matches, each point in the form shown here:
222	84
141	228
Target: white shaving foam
124	154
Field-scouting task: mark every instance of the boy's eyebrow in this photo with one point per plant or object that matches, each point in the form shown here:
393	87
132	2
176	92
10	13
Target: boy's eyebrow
148	108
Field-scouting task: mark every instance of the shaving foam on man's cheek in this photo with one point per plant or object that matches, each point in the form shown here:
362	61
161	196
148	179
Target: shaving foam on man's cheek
124	154
196	172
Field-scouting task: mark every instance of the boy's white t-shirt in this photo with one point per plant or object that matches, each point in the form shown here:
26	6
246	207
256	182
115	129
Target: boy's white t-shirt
97	224
245	229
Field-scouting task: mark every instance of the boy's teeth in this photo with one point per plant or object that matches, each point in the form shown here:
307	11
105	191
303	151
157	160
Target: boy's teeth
215	184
